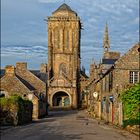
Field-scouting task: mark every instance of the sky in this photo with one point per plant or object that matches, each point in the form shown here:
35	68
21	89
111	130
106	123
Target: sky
24	31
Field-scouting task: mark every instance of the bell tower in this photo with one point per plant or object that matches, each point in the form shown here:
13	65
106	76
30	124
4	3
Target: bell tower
63	56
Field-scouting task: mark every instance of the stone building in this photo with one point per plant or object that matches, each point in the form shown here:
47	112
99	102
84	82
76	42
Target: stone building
109	78
98	70
110	84
126	72
22	82
64	32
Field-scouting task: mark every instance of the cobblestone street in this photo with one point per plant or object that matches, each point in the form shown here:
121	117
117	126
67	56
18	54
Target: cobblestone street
66	125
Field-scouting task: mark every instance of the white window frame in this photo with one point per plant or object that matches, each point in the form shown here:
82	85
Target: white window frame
133	77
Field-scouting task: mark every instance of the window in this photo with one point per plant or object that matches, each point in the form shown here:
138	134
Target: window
134	76
110	81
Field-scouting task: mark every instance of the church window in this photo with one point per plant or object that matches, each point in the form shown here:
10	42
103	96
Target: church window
134	77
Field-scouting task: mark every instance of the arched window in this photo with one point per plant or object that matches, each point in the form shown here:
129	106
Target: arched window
62	68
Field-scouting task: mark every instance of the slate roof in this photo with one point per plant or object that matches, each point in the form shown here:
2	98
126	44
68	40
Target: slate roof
109	61
13	84
27	84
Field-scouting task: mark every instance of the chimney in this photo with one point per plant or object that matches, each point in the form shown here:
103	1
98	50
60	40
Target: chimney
10	70
43	68
21	66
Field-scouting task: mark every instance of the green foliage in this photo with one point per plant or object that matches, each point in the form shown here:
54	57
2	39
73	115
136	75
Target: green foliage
130	122
17	109
131	102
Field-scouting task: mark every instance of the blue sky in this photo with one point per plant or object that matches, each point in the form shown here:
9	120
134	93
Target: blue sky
24	31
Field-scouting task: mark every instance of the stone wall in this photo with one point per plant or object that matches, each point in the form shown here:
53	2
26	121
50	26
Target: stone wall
128	62
121	78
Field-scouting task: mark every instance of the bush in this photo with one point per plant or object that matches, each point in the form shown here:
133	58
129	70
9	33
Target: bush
15	110
130	122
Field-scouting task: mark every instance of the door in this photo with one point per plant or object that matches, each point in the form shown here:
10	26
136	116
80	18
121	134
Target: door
66	101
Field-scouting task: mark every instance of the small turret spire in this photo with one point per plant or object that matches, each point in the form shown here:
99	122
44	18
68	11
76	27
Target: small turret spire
106	42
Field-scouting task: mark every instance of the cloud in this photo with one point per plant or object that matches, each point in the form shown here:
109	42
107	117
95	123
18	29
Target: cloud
49	1
136	20
11	50
28	27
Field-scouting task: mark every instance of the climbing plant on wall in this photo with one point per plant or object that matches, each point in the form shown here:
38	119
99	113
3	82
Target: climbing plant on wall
131	102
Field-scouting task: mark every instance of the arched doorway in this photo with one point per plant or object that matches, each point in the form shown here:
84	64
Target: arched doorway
61	99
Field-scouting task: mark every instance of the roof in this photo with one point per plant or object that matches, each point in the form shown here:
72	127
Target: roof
64	7
133	51
109	61
13	84
27	84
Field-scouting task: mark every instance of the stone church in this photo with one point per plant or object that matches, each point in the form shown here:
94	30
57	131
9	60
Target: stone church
64	32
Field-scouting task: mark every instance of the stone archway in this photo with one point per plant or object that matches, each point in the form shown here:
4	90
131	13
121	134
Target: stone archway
61	99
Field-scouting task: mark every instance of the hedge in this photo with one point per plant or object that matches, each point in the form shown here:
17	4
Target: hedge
15	110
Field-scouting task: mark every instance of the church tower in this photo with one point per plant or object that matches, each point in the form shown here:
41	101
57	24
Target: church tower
64	31
106	42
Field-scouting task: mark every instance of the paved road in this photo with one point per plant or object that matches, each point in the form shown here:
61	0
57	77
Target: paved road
68	125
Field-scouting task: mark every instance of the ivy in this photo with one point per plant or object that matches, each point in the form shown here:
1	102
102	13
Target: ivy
131	102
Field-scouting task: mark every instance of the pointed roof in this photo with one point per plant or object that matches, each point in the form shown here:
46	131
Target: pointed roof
106	42
64	8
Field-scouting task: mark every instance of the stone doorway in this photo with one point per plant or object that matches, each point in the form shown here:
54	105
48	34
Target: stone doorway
61	99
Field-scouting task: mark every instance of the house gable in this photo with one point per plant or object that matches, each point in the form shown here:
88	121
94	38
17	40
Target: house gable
130	60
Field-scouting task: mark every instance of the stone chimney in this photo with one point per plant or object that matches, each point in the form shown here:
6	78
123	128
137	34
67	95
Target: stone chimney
43	68
21	66
10	70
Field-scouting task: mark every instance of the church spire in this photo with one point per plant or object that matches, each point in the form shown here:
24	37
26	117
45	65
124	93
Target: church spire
106	42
